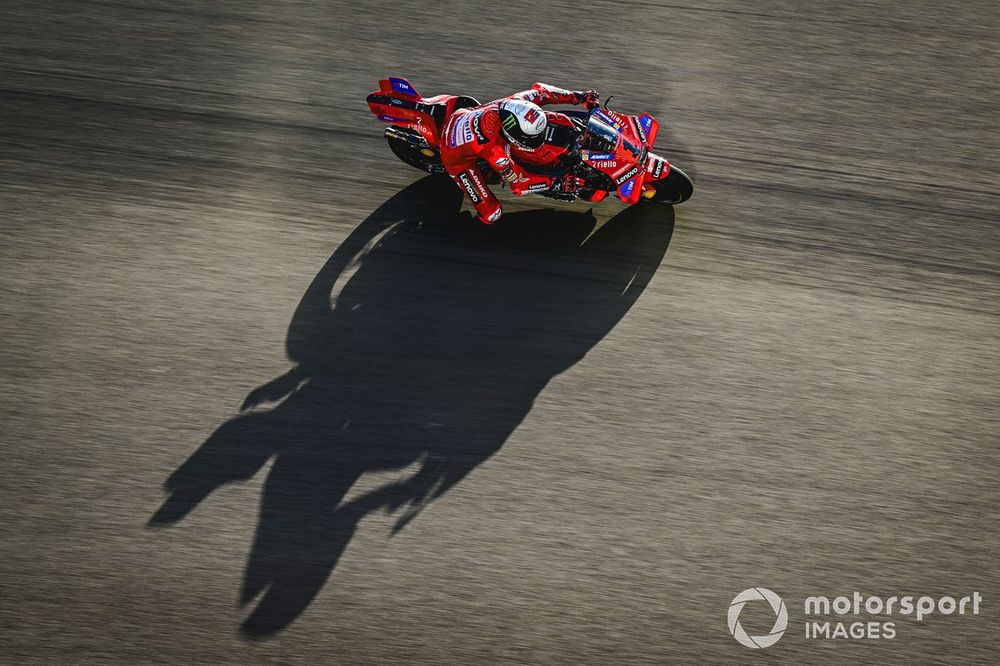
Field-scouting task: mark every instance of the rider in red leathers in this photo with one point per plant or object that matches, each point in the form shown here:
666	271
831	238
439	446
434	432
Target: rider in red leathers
510	134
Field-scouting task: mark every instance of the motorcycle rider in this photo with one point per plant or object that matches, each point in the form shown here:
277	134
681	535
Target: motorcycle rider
508	134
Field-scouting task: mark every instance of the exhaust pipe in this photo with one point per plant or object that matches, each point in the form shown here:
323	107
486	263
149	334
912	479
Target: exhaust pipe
410	137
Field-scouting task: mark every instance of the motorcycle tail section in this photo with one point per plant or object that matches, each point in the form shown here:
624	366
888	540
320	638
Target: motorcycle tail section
399	87
397	102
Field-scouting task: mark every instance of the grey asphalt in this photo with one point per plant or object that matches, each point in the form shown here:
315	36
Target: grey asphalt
269	397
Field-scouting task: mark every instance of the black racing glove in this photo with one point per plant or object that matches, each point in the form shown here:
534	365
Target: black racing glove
589	98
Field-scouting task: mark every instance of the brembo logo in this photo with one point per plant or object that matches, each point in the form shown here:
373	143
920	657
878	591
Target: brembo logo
780	621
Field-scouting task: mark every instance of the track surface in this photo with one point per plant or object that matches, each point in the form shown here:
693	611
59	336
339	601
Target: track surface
800	392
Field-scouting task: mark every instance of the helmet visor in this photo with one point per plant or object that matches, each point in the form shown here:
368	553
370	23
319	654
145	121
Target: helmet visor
531	141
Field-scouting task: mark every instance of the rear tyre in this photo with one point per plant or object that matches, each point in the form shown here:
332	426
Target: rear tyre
674	189
426	158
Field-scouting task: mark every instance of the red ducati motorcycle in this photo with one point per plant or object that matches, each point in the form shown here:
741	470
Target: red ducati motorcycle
611	150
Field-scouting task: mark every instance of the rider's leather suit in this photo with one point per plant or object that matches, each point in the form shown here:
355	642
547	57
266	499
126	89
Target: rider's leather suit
474	133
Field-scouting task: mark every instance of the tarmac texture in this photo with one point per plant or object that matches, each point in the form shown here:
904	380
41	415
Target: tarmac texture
269	395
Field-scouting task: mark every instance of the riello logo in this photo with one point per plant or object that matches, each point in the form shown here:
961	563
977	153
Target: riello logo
780	617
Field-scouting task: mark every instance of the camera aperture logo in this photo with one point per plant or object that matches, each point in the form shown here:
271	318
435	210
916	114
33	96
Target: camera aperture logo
780	620
874	616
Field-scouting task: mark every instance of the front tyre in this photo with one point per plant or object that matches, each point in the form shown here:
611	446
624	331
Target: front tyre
674	189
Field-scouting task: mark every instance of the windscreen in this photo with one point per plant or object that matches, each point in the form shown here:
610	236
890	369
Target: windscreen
601	136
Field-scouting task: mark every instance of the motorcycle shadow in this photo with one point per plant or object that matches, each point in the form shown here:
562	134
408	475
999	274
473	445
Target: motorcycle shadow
422	342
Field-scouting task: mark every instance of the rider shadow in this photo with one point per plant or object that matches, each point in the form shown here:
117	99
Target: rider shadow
423	341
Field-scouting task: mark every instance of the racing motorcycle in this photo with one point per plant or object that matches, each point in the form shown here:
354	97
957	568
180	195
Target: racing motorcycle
611	151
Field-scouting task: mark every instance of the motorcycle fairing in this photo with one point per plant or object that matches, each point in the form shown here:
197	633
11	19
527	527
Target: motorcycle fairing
397	102
630	186
649	126
640	129
424	118
657	167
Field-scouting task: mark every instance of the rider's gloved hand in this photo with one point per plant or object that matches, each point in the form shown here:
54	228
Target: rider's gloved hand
589	98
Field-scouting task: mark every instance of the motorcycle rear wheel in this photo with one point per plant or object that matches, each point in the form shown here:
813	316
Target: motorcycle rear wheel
674	189
415	156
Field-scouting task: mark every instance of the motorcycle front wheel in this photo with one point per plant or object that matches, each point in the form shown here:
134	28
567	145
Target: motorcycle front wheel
674	189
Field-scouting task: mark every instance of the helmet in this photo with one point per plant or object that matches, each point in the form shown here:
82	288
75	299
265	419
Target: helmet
523	123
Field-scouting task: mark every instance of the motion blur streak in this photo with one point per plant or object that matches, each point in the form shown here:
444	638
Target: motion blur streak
571	439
